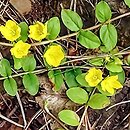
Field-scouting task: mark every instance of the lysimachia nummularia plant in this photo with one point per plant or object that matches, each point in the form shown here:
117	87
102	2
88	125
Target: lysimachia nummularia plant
91	88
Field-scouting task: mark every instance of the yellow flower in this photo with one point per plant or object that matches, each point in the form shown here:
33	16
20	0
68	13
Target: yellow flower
20	49
110	83
54	55
38	31
11	31
94	77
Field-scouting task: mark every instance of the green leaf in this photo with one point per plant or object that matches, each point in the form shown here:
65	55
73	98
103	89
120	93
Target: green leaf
118	61
70	78
103	49
56	78
17	63
103	92
81	80
10	86
121	76
77	71
114	51
98	101
51	76
108	35
128	60
111	66
69	117
127	2
5	69
88	39
71	20
31	83
77	95
29	63
24	31
97	61
89	89
53	28
103	12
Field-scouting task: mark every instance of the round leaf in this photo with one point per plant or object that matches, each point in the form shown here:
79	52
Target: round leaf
88	39
17	63
53	28
81	80
77	95
71	20
127	3
69	117
5	69
128	60
29	63
89	89
31	83
118	61
114	67
10	86
103	49
108	35
24	31
103	12
56	78
77	71
96	61
70	78
98	101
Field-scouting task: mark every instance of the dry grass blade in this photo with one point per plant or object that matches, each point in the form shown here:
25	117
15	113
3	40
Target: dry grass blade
7	119
22	110
34	117
117	104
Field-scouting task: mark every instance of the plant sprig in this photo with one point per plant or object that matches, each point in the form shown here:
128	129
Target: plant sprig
79	82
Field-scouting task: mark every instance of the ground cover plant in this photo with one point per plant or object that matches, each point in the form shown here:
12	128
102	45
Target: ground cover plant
89	75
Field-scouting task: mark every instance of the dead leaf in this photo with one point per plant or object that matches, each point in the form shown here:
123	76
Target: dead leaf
24	7
56	100
72	51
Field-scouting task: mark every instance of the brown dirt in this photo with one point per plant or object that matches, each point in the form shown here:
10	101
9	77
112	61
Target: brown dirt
42	10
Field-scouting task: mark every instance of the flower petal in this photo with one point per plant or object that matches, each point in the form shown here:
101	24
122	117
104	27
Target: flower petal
20	49
38	31
11	31
93	77
54	55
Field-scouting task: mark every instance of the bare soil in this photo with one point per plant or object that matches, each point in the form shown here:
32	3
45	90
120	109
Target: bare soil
117	118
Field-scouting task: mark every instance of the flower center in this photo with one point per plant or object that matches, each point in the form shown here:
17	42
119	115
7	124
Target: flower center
40	30
12	31
95	77
20	51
